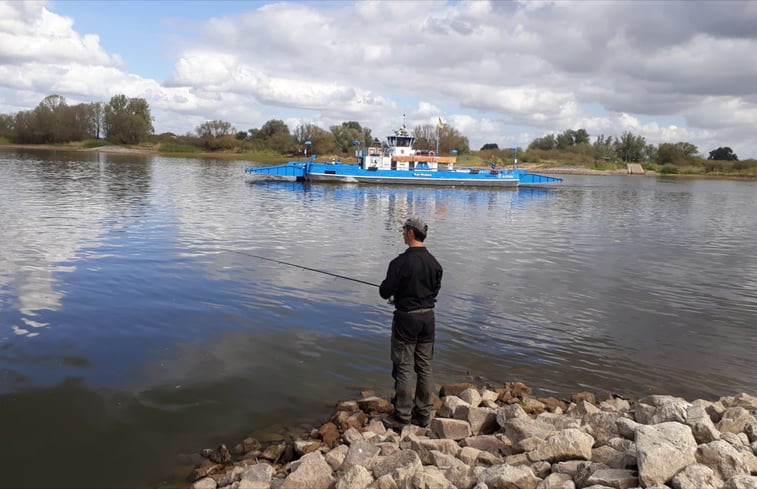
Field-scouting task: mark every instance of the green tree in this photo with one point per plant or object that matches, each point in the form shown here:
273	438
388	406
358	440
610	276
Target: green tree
77	122
97	113
603	147
425	136
48	120
321	141
678	153
275	135
630	148
547	142
580	136
7	122
214	129
346	134
449	138
127	120
723	153
566	139
216	135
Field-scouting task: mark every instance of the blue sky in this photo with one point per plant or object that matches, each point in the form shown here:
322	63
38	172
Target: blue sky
503	72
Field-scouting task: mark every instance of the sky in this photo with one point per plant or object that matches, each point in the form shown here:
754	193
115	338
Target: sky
498	71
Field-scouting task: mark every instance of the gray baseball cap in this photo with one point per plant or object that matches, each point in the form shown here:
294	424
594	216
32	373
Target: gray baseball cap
417	223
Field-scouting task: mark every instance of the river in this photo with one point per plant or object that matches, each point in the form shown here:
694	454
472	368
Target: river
135	325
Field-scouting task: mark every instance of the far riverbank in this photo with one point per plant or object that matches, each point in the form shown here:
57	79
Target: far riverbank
269	158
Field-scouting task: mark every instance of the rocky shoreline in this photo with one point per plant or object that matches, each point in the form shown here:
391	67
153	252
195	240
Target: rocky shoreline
505	438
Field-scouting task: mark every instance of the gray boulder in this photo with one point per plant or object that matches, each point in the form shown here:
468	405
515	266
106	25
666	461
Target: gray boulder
564	445
722	458
312	473
663	450
509	477
696	476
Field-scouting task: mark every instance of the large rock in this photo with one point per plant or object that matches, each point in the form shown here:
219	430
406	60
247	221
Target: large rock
471	396
312	473
701	424
220	455
741	482
509	477
743	400
329	433
563	445
511	411
335	457
451	429
424	446
517	429
557	481
604	426
663	450
627	427
488	443
661	409
205	483
400	466
581	408
722	458
735	420
429	478
450	404
481	420
375	404
384	482
455	389
696	476
257	473
357	477
559	421
360	453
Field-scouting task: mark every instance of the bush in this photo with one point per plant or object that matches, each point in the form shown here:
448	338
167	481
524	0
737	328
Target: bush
94	143
177	148
669	169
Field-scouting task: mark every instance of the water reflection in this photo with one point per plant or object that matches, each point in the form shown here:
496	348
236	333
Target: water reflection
132	272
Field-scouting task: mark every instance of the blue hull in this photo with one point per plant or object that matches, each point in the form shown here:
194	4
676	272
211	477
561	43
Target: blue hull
338	172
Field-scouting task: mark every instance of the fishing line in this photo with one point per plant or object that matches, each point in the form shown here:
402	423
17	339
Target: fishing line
303	267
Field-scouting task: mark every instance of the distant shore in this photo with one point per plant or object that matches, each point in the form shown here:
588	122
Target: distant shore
535	167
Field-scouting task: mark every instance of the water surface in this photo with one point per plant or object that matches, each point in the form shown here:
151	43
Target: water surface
135	326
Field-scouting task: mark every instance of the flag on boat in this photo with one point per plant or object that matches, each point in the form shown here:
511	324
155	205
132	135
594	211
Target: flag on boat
441	124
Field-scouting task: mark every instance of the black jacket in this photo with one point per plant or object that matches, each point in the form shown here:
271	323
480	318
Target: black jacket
414	279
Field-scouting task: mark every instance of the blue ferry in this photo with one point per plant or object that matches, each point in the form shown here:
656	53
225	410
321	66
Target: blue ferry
399	163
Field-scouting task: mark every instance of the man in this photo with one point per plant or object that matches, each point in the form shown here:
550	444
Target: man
414	279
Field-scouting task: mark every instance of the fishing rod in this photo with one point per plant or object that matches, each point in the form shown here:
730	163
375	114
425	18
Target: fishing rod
303	267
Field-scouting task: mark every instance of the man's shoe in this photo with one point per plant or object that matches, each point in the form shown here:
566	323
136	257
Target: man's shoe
394	422
422	422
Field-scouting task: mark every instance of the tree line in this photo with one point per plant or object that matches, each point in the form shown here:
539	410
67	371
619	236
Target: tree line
125	120
628	148
122	120
276	136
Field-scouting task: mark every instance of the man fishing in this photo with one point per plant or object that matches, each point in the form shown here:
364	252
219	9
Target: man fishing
413	279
